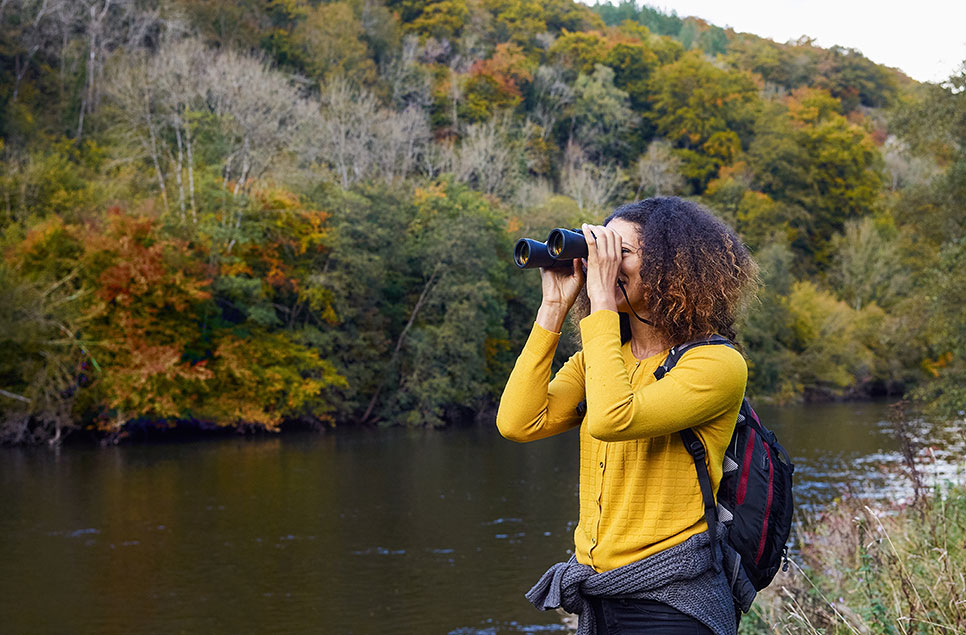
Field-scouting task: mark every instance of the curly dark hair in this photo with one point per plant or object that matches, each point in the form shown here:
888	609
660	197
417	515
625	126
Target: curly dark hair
697	273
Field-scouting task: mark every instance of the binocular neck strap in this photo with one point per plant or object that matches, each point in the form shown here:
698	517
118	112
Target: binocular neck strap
624	291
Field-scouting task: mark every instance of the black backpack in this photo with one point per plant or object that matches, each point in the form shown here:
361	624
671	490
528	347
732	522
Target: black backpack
754	497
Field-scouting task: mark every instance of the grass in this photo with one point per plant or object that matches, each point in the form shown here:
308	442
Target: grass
866	567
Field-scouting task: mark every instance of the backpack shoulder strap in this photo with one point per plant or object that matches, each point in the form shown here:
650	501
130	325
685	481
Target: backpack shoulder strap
694	445
676	352
697	452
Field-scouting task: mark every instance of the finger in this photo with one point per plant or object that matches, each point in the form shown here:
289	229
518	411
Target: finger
591	240
617	244
606	242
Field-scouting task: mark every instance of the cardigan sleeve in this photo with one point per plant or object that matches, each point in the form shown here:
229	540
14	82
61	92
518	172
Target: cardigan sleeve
706	383
532	406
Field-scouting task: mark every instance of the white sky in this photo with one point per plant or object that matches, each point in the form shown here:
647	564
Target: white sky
925	39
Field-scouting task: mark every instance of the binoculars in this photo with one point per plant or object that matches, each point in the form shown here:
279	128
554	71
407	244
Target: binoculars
561	247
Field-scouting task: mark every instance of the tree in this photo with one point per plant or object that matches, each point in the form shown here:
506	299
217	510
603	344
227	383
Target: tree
42	311
946	393
592	186
517	21
693	100
706	112
816	162
440	19
487	159
578	52
601	114
357	139
866	266
659	171
254	114
633	64
495	84
549	97
329	40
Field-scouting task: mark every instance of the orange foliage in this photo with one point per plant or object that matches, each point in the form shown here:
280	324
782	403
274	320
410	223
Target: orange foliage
508	67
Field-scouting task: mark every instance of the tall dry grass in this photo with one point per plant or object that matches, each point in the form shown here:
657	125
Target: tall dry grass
864	567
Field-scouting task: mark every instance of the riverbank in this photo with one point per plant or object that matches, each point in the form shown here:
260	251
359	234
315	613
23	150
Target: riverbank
873	567
150	430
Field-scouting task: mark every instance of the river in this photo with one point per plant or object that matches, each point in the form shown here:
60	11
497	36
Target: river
357	531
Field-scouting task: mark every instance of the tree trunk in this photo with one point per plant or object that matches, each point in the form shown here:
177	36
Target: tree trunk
154	152
178	172
20	69
96	23
246	147
191	173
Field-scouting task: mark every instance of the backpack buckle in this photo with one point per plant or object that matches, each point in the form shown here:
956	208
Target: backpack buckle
696	448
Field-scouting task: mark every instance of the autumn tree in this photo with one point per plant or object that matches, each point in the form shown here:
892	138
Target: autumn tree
330	40
704	111
495	84
812	158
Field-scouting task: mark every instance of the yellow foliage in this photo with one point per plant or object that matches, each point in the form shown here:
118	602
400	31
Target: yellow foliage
933	366
424	196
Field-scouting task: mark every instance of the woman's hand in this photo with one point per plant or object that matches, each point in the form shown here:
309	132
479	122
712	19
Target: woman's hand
560	290
604	255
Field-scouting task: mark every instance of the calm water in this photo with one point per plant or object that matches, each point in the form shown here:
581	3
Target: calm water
357	532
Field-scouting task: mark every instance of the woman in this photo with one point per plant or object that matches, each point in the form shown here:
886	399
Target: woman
643	561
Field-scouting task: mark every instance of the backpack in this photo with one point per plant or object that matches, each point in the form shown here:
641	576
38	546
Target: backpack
754	497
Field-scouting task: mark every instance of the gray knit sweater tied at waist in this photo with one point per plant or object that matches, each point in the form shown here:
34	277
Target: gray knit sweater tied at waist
682	576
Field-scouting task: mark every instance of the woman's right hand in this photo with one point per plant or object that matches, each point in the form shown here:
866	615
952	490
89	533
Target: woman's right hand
560	290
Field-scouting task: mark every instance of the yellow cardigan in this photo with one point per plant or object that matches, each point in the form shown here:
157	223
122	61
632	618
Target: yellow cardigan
639	492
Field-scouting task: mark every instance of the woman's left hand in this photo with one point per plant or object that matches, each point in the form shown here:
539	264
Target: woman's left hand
604	257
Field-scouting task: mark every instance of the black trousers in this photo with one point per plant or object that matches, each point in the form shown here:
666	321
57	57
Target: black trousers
634	617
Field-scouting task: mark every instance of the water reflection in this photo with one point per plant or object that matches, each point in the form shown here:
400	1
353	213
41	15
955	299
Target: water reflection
361	532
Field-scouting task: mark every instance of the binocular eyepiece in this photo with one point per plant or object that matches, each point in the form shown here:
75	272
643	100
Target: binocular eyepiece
560	248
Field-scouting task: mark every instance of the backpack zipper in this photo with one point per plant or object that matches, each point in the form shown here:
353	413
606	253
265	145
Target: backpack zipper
764	526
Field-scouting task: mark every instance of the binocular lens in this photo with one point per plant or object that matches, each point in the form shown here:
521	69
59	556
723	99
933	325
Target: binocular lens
530	254
521	253
566	244
555	244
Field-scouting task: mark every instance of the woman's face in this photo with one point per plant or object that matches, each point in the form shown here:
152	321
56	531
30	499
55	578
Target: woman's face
630	271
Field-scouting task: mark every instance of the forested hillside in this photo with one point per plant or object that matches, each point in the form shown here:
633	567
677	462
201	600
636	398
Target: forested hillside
269	211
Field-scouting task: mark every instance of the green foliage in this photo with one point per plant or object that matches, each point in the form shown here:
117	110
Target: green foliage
329	40
654	19
601	114
632	63
41	305
439	19
946	315
416	300
866	265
